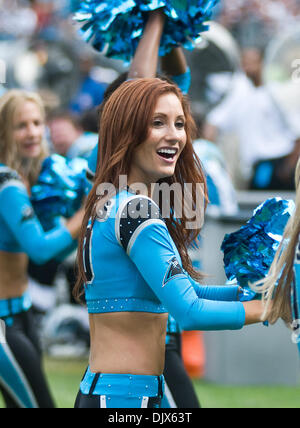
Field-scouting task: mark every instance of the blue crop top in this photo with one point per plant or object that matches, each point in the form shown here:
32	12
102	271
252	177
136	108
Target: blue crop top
20	230
132	264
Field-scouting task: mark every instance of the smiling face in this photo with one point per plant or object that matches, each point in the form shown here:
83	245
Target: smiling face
157	156
28	130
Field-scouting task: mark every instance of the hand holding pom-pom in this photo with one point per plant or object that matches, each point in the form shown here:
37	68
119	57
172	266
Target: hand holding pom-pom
249	252
59	190
116	26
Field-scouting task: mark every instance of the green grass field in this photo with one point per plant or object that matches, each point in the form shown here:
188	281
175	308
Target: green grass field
64	377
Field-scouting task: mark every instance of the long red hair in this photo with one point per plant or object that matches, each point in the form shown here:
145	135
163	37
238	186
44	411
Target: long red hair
125	122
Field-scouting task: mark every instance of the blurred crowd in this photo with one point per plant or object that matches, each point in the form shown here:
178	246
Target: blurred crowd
19	18
42	51
255	21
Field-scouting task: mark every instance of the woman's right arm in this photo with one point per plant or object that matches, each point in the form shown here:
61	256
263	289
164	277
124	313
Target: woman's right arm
253	311
19	216
145	60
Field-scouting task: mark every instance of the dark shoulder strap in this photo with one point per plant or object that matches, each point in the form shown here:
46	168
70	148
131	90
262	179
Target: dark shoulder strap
133	216
9	177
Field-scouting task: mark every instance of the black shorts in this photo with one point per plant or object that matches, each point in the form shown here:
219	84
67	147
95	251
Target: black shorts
22	381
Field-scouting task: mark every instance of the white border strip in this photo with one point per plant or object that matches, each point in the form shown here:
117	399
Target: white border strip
103	402
145	402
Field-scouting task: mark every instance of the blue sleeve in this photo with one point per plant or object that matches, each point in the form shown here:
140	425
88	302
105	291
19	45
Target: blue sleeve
18	214
183	81
67	251
216	292
151	248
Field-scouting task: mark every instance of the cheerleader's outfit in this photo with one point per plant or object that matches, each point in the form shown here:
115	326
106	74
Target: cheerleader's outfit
132	235
21	379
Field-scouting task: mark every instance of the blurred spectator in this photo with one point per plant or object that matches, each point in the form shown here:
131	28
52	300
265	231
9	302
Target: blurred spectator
90	121
255	22
44	10
68	137
250	113
17	19
91	89
52	17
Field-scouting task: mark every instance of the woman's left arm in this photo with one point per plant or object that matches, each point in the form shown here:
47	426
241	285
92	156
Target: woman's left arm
19	216
225	293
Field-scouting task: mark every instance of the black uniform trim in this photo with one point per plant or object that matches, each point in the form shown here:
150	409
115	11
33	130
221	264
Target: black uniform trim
136	213
7	175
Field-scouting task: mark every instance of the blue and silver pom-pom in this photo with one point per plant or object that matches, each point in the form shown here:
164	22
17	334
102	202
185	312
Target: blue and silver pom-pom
59	190
249	252
115	27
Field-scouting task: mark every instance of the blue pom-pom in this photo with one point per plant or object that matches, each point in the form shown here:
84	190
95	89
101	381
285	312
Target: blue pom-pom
59	189
249	252
115	27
